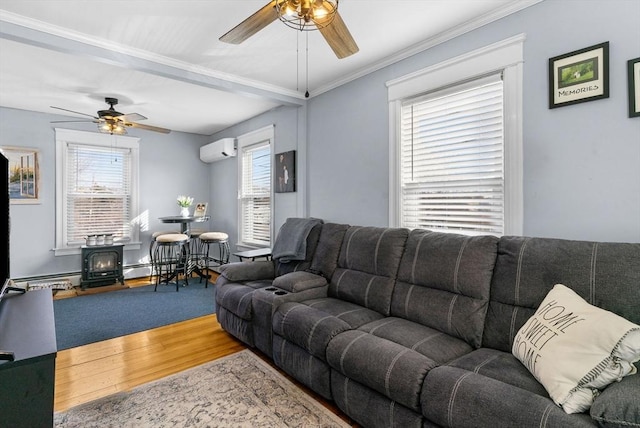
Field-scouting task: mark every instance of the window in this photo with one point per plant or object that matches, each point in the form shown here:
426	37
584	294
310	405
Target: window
96	188
456	144
255	188
451	159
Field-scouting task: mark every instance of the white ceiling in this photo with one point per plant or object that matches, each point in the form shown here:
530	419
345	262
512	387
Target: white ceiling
163	59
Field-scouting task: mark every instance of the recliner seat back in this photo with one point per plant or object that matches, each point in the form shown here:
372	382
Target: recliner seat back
604	274
367	266
444	281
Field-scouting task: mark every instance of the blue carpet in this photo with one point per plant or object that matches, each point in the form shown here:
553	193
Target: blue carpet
91	318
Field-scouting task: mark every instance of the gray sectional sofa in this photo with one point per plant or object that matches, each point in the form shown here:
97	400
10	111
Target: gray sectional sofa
415	328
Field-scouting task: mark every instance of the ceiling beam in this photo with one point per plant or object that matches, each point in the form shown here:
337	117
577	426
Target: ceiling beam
126	57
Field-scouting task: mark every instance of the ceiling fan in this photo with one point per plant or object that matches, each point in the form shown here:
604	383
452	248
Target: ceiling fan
303	15
111	121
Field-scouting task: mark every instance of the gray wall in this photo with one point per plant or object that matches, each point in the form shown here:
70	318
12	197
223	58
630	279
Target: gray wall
169	166
581	162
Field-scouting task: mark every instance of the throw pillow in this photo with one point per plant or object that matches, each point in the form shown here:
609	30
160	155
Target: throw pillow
575	349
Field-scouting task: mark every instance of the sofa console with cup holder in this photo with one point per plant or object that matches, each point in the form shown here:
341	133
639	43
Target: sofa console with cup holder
418	328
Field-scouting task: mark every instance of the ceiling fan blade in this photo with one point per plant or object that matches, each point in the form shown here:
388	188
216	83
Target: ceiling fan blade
75	121
130	117
148	127
252	24
338	36
76	112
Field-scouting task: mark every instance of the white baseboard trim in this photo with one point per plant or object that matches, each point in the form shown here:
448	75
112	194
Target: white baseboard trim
131	272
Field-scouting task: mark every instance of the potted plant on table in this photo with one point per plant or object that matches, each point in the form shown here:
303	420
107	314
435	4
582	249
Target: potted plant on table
184	202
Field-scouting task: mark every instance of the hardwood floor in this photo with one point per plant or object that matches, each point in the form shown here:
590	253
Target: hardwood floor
99	369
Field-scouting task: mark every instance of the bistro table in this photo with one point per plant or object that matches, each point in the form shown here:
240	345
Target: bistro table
185	224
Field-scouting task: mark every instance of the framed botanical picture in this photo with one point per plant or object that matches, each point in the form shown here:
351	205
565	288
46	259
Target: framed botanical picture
24	174
579	76
285	172
633	71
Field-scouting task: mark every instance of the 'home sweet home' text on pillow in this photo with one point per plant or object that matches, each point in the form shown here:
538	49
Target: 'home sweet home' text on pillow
575	349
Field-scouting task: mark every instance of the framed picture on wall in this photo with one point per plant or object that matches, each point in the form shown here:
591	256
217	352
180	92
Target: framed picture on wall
633	72
579	76
285	167
24	174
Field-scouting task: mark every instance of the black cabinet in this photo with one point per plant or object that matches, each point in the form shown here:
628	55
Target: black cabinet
4	220
27	328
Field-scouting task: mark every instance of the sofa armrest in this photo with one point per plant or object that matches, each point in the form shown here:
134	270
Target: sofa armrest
299	281
248	271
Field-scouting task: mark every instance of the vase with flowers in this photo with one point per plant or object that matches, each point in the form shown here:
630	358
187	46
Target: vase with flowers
184	202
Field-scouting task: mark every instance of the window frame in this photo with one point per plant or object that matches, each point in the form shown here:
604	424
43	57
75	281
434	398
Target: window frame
505	56
65	136
244	142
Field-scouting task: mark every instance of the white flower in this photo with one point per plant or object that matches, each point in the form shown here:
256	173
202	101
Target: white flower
185	201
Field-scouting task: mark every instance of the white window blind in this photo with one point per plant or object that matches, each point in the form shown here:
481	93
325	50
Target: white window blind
452	159
98	192
255	194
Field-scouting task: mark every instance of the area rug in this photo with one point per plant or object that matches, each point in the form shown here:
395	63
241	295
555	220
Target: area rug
240	390
91	318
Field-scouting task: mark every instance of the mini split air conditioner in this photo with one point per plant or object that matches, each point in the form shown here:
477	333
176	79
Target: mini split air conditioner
221	149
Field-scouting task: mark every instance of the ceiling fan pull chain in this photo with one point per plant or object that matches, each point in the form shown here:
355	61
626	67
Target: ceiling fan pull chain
306	94
297	62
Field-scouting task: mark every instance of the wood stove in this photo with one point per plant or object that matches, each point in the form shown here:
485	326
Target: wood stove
101	265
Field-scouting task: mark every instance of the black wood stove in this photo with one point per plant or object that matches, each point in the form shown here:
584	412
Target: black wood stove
101	265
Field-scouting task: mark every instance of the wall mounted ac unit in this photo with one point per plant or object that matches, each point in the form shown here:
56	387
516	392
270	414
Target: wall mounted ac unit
218	150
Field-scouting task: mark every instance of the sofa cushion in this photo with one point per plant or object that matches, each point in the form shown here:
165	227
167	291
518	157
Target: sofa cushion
604	274
367	266
502	366
362	289
376	250
325	258
456	397
431	343
618	405
393	370
236	298
354	315
247	271
299	281
444	281
370	408
309	328
574	348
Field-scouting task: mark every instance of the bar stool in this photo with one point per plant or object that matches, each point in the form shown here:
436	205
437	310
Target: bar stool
171	255
196	251
220	238
152	245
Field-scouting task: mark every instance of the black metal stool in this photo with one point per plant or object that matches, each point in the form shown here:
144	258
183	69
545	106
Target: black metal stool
220	238
171	256
152	245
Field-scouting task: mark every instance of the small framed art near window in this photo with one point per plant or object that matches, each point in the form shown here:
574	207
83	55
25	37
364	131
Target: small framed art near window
633	71
286	172
579	76
24	174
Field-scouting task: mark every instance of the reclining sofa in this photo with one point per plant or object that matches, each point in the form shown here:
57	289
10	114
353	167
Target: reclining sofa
416	328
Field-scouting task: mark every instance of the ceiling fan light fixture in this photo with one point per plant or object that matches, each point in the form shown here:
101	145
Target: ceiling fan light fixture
306	15
112	128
